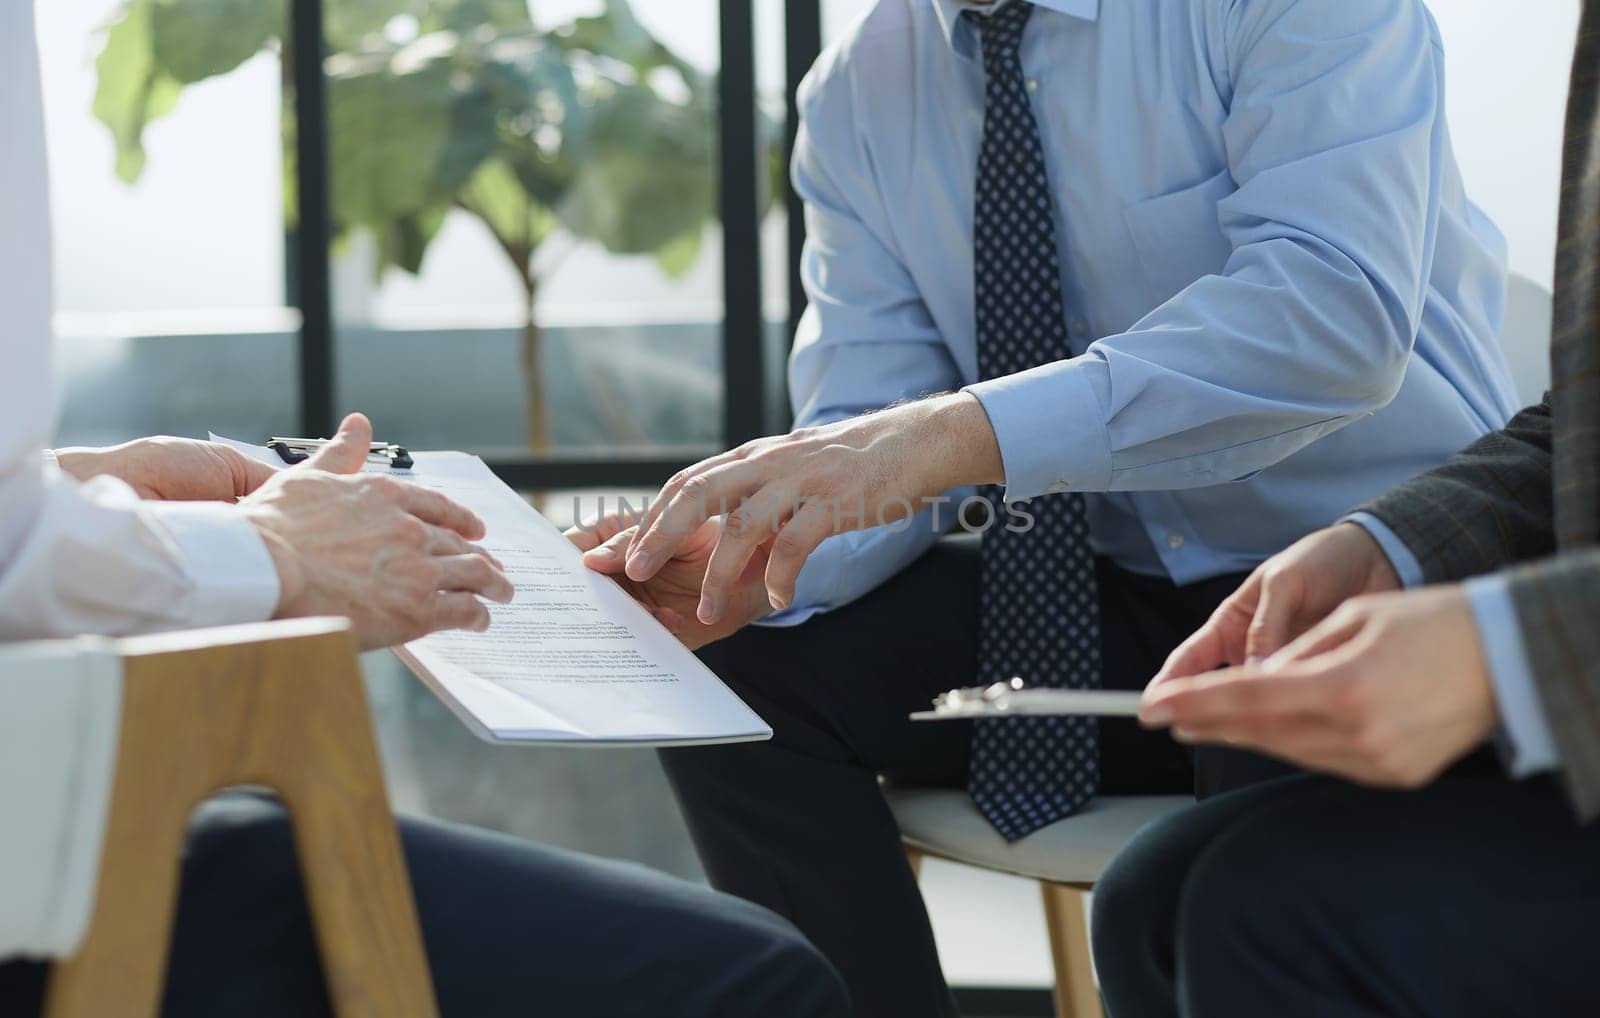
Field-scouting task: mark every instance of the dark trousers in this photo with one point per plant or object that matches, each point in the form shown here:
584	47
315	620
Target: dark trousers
1309	897
799	824
510	929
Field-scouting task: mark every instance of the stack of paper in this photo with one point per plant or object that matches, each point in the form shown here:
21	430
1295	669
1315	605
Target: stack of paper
573	658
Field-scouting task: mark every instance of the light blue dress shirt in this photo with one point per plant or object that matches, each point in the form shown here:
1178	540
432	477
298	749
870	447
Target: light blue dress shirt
1280	299
1530	745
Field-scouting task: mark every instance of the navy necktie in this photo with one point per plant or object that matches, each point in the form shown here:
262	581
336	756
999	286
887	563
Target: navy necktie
1040	610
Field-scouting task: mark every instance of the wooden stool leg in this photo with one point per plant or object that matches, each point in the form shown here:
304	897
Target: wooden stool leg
1075	993
288	714
363	911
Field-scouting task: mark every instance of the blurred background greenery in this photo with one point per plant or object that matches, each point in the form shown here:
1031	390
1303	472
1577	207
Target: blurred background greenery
592	131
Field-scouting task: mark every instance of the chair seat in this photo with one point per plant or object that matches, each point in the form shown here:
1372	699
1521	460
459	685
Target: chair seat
1075	850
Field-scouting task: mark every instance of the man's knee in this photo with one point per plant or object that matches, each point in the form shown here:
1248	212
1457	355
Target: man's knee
1131	918
774	970
241	841
1248	931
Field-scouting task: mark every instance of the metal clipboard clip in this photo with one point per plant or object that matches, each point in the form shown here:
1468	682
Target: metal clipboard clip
298	450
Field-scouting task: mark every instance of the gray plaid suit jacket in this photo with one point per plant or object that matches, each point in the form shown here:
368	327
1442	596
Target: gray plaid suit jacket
1526	499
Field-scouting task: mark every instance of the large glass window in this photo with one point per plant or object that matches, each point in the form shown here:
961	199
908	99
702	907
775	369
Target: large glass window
531	259
168	227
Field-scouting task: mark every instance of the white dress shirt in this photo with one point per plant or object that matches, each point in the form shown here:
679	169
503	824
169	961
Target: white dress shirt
86	558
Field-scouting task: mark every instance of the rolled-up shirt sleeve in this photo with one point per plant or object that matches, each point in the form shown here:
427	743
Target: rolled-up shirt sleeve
1310	323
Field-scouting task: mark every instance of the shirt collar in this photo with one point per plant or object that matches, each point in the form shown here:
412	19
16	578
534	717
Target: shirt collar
949	12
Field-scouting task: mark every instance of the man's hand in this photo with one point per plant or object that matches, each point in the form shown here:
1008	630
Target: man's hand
392	557
171	469
1389	690
1286	595
673	593
791	491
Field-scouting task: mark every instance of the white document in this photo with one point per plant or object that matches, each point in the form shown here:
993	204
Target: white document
573	659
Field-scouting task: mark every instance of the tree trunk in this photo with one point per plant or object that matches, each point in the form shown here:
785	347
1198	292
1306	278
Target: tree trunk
538	410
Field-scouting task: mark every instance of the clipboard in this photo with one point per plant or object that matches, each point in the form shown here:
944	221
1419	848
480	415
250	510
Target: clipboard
298	450
1013	699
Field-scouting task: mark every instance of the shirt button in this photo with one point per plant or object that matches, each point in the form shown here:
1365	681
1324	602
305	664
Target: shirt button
1033	84
1174	541
1080	326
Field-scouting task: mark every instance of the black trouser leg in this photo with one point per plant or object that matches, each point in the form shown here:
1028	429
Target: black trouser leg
511	929
799	824
1474	897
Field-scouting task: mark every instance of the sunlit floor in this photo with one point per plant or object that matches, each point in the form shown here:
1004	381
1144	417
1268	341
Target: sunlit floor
990	927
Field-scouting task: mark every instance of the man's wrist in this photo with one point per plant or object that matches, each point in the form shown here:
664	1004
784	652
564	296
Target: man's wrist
965	450
291	579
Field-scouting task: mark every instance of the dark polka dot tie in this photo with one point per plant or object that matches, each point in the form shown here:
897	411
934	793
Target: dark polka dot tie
1040	611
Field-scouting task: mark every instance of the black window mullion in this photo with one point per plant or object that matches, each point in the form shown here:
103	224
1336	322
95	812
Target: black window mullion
802	45
741	159
310	288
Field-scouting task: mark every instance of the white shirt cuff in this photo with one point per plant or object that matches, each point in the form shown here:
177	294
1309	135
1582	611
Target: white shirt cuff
233	574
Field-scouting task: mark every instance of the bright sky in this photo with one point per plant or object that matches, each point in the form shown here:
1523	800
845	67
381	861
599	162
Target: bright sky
202	228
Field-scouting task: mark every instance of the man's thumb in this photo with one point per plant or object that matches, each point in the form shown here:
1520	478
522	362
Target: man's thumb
348	451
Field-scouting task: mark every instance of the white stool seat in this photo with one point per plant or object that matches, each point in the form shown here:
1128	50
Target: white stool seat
1075	850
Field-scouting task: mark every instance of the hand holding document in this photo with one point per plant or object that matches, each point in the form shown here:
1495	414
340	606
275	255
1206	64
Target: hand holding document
572	658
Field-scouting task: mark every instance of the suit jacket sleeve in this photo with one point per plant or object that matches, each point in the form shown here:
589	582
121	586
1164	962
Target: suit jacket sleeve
1555	601
1487	507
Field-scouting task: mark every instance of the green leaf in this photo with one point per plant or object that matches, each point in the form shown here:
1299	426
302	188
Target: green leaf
196	39
131	90
388	125
347	23
647	176
496	196
403	242
676	257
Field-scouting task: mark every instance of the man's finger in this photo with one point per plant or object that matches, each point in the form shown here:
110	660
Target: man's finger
747	527
475	575
711	494
1331	633
1247	691
588	536
442	511
808	527
1217	643
347	453
675	484
1269	628
248	473
459	610
610	557
1203	651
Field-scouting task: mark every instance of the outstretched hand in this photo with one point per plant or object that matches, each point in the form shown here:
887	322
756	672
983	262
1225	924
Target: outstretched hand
673	593
778	498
